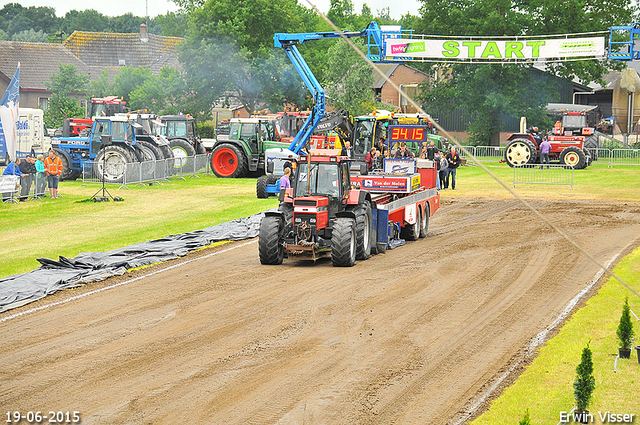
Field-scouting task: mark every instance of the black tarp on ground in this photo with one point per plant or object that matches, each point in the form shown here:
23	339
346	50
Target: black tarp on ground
52	276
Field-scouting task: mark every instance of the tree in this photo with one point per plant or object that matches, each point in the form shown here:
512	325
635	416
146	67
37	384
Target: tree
349	79
127	23
229	45
584	383
66	82
625	327
526	420
30	36
128	79
490	92
86	20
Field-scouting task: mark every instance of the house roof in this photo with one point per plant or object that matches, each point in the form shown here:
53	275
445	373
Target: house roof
38	61
101	50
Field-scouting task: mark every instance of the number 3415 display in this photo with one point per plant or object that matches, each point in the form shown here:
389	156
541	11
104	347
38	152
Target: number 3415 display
408	133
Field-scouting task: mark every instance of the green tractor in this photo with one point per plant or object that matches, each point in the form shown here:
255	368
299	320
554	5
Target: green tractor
243	153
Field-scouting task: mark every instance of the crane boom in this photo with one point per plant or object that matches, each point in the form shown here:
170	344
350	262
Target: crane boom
375	52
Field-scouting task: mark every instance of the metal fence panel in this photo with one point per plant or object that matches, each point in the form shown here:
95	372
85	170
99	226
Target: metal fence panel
144	172
490	153
625	157
543	174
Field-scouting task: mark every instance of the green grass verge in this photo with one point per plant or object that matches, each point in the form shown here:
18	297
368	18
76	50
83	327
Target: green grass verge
594	182
67	226
546	386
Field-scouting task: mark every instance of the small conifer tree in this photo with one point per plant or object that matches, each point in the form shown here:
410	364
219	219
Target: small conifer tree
525	420
625	327
585	383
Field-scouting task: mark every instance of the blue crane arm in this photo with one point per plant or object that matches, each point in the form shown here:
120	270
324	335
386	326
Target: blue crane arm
288	42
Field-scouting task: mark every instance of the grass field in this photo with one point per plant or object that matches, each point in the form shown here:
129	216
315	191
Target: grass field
546	386
67	226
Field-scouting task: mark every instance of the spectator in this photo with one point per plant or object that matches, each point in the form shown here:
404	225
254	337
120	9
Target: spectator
403	152
423	151
285	183
13	169
53	170
444	166
41	181
545	148
436	159
431	150
347	150
28	169
454	162
384	153
372	158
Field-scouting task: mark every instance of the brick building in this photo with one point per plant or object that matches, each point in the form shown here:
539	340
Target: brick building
405	77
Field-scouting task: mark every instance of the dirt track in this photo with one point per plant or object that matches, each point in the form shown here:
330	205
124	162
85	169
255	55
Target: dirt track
408	337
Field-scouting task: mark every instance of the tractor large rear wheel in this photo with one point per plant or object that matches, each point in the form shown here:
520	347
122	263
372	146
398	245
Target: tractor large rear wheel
270	240
573	157
520	152
343	242
228	160
111	162
364	231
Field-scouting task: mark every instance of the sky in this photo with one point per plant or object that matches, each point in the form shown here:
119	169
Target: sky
161	7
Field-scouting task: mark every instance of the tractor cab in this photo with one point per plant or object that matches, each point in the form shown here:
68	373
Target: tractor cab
325	176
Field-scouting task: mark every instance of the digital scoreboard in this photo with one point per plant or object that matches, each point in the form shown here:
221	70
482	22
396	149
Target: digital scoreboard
407	133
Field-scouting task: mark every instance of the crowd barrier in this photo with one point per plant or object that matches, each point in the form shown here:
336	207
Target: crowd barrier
610	157
14	188
543	174
145	172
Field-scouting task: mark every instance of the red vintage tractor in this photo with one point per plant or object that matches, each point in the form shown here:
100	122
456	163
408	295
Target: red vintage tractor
569	142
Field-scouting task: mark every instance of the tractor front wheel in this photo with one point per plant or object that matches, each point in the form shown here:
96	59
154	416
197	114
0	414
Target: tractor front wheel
363	231
573	157
343	242
261	188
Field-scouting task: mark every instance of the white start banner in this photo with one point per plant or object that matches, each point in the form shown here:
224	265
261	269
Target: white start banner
496	50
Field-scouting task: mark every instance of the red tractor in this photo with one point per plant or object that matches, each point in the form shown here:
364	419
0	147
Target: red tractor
98	107
329	212
573	143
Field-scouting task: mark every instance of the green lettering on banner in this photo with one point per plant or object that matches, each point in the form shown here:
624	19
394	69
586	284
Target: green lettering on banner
472	47
535	47
451	49
513	48
491	49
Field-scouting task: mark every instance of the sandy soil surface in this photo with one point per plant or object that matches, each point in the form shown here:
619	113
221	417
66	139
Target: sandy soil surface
413	336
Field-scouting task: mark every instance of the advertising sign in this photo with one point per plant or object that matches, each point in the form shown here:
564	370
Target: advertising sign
497	49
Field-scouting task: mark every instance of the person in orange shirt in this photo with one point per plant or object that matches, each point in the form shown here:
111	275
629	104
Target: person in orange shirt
53	170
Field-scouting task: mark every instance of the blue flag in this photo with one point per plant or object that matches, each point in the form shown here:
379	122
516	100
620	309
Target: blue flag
9	116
